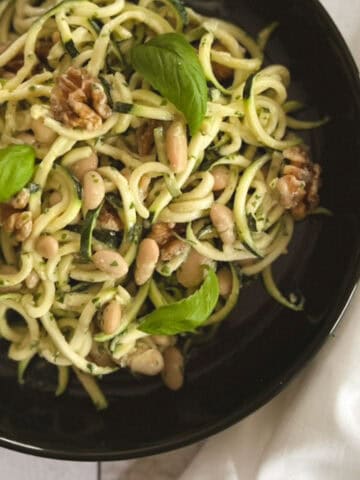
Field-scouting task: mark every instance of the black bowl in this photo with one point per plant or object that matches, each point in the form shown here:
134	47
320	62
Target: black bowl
263	345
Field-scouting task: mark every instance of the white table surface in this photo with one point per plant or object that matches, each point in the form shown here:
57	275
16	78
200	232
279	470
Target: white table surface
16	466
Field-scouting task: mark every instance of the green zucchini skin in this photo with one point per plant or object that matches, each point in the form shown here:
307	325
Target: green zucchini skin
122	107
71	49
87	232
248	86
111	238
179	6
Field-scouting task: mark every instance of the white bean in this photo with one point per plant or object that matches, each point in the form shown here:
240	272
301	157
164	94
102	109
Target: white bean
221	176
47	246
110	262
223	219
173	372
191	272
42	133
93	190
149	362
176	146
84	165
146	260
111	317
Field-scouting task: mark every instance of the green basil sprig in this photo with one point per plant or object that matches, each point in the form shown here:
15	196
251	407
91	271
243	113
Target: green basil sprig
169	63
17	164
185	315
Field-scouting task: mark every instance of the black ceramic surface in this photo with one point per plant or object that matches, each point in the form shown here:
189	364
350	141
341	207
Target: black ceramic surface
262	345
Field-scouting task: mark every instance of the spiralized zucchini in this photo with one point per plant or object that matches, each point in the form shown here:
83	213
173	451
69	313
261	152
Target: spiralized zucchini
221	208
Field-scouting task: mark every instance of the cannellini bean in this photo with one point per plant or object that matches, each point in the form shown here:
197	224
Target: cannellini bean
176	146
54	198
47	246
225	281
84	165
110	262
173	372
146	260
221	176
149	362
93	190
32	280
191	272
111	317
42	133
223	220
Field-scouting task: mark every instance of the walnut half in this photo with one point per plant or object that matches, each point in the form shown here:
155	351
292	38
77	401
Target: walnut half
299	183
79	100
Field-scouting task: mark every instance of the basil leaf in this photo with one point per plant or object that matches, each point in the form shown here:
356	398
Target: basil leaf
17	164
170	64
185	315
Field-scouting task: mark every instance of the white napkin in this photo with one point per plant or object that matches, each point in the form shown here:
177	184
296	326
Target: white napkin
311	431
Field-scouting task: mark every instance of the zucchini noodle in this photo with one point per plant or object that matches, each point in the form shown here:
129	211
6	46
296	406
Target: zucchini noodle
112	176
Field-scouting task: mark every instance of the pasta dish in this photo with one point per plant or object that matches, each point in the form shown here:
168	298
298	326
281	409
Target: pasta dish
149	163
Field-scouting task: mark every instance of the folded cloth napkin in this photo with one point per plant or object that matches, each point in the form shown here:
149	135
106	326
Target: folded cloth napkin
311	431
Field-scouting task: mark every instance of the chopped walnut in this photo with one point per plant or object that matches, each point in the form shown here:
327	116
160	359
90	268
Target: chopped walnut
100	355
20	224
43	47
299	184
14	64
6	211
145	137
292	191
109	220
172	249
221	72
298	155
162	232
42	50
20	201
313	187
79	100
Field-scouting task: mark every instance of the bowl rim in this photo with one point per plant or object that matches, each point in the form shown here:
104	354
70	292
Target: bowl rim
266	395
